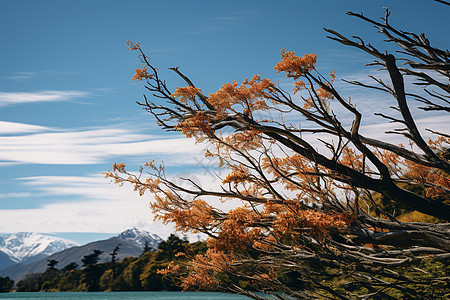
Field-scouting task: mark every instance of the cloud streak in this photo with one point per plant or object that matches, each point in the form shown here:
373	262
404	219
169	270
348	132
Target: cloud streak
99	206
14	128
26	75
14	98
22	75
15	195
87	146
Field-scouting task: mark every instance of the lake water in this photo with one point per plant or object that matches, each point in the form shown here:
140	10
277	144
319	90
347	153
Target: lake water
124	295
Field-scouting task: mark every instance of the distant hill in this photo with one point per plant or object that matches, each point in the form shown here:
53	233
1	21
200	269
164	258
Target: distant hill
131	242
27	247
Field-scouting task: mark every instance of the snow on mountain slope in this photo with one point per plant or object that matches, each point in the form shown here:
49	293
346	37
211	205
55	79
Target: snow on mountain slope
24	245
131	243
139	237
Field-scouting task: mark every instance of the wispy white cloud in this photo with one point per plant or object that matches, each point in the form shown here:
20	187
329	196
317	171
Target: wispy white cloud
102	207
25	75
221	22
22	75
13	98
84	216
89	146
13	127
15	195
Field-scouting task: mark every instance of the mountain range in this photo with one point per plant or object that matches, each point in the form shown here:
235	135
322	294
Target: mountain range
27	247
20	256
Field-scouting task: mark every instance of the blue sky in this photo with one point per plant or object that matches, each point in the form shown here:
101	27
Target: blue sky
67	102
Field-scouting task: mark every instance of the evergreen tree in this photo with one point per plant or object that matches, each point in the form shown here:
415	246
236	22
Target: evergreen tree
70	266
6	284
114	259
51	264
91	259
172	245
91	271
113	254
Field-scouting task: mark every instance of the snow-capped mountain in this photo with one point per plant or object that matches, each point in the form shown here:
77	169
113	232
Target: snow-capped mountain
131	241
139	237
30	246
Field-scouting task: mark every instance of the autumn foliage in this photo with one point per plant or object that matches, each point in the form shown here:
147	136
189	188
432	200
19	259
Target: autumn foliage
308	222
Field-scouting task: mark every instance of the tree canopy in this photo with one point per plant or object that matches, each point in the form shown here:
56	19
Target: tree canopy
313	222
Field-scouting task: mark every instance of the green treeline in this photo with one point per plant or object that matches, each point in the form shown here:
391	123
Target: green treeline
130	274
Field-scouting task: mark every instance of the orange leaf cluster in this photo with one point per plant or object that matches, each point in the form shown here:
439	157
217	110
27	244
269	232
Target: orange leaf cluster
132	46
152	184
324	94
251	94
299	85
119	167
351	159
172	268
391	160
440	146
117	179
295	66
196	126
141	74
225	97
196	215
291	217
203	269
247	139
333	76
436	182
237	232
308	103
186	93
237	176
